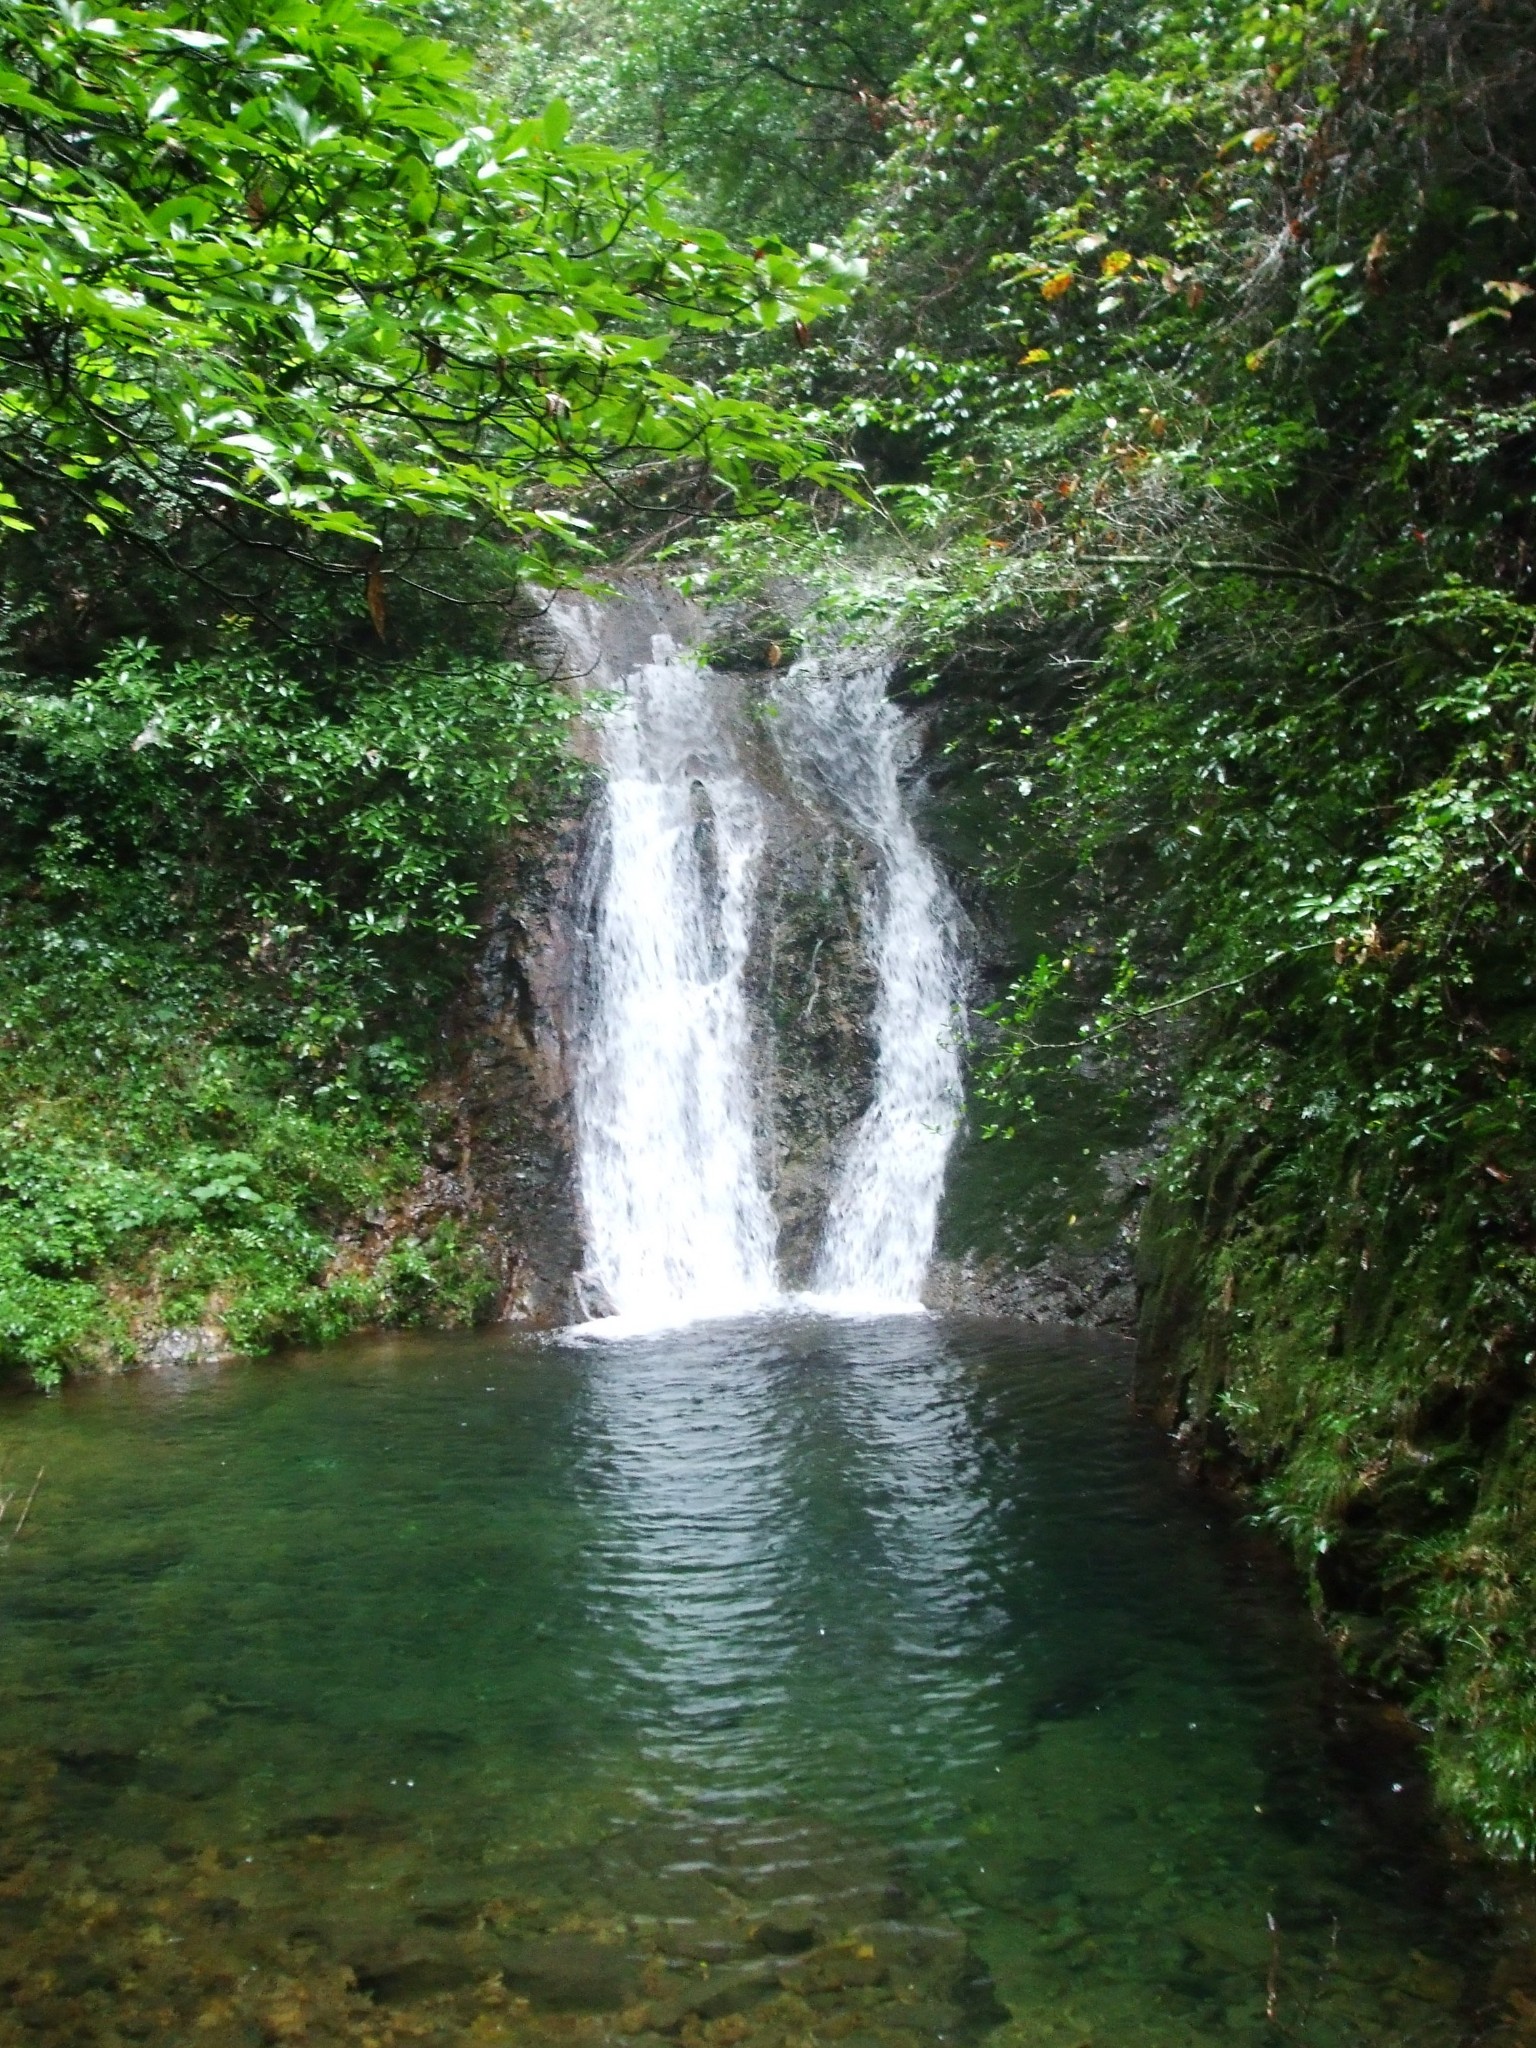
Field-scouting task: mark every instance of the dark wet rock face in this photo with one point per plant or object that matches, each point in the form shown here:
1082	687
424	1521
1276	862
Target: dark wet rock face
501	1160
1093	1289
506	1108
813	991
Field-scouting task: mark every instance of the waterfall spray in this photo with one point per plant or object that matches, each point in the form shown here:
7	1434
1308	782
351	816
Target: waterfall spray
679	1224
840	732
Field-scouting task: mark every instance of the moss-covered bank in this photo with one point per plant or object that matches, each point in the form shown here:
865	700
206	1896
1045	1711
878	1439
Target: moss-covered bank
1366	1365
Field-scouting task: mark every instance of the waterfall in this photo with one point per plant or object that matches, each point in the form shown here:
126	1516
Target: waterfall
840	730
672	1161
678	1222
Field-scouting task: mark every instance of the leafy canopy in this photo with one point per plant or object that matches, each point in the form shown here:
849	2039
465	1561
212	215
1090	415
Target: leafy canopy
772	111
278	260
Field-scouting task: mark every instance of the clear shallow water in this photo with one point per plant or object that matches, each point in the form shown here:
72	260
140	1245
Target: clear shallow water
778	1683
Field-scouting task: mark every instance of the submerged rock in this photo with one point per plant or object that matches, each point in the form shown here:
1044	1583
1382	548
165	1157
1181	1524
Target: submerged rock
787	1934
565	1973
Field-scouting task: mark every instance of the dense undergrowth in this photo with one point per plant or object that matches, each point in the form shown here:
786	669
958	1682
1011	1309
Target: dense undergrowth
1286	475
237	894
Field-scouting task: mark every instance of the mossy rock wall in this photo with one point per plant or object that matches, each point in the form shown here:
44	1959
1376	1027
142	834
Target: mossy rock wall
1366	1383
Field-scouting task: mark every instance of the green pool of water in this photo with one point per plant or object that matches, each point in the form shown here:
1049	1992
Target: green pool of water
784	1683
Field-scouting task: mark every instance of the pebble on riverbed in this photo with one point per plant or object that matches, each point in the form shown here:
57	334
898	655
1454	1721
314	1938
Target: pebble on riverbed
327	1930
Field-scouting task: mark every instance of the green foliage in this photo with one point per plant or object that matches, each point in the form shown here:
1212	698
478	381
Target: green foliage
306	357
1194	383
345	806
237	894
1230	394
771	111
276	263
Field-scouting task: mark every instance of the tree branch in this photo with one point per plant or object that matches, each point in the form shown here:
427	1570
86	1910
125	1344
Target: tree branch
1194	995
851	92
1267	571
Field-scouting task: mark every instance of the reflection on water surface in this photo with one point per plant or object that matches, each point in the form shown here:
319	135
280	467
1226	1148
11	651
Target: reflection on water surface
778	1684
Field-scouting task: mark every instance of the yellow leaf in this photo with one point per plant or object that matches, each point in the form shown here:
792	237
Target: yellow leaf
1473	319
1058	286
1063	391
1116	261
1509	289
1036	355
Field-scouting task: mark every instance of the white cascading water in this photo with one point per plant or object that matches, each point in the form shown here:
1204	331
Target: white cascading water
678	1223
838	729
